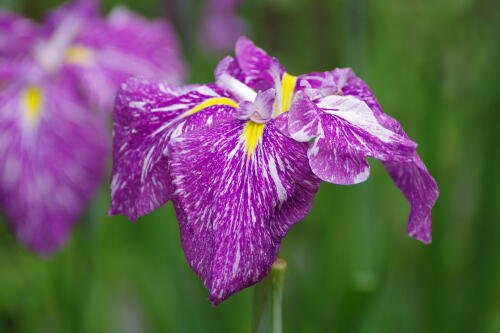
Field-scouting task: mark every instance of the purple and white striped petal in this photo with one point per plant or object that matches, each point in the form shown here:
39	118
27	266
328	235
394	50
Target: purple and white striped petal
322	84
229	66
255	63
250	66
345	132
52	159
146	116
412	178
240	186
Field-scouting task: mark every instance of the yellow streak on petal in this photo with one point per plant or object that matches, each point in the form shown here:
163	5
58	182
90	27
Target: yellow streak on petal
32	100
79	55
251	136
212	102
288	86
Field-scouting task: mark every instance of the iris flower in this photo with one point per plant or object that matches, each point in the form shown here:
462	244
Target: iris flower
54	78
242	160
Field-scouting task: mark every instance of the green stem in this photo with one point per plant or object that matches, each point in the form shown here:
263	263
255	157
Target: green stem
268	298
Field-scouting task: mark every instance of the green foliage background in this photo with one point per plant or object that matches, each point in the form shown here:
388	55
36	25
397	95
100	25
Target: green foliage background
352	268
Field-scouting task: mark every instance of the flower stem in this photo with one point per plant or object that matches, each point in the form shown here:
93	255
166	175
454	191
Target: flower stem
267	317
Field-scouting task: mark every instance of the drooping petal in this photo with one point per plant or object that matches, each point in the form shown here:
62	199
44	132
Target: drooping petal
337	164
358	88
146	116
412	178
346	132
52	159
421	191
357	113
240	186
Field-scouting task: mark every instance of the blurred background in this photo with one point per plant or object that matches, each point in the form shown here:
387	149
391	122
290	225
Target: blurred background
433	66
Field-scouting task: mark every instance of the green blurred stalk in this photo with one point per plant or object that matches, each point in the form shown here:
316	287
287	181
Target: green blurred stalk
268	296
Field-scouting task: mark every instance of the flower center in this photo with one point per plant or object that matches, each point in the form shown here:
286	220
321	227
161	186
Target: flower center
258	108
31	103
79	55
284	89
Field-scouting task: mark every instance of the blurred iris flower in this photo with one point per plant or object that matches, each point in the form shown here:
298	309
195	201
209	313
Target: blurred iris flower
57	81
242	160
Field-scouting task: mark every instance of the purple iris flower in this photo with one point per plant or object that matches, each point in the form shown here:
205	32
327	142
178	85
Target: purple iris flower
53	143
237	182
242	160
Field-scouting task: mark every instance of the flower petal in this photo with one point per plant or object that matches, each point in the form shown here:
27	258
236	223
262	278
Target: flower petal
412	178
333	80
254	64
338	162
230	66
304	121
346	132
389	145
146	116
240	186
52	159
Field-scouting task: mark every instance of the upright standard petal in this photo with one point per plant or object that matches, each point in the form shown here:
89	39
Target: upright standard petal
52	158
251	66
146	116
412	178
240	186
